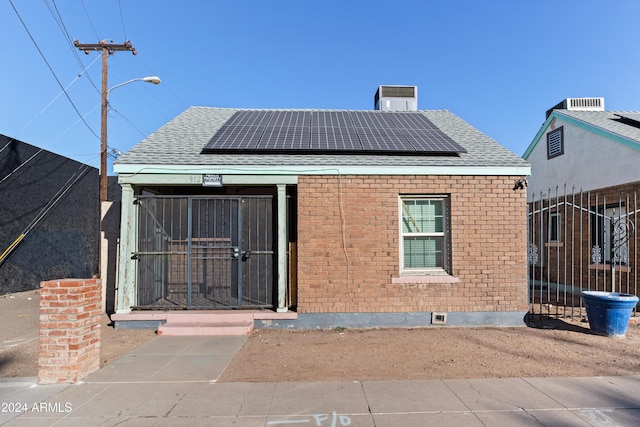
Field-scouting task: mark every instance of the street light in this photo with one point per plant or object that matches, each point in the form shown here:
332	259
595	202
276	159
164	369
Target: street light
102	267
151	79
103	129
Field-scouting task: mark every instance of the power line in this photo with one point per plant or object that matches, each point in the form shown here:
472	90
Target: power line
86	12
82	170
50	68
21	165
134	125
124	30
55	98
58	18
150	104
7	144
184	105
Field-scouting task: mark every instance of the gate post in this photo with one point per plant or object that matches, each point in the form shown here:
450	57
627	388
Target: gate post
282	248
127	269
69	348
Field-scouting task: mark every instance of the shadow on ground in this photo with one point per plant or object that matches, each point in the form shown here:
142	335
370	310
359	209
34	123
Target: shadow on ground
548	322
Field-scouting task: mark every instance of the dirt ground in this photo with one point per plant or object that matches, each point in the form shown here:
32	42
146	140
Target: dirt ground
19	317
430	353
561	348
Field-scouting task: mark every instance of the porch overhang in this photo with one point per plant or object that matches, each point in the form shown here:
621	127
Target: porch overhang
192	175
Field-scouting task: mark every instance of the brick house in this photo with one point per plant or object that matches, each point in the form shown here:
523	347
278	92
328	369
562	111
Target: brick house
583	199
342	218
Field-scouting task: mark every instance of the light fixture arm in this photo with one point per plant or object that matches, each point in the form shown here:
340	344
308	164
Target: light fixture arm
103	120
150	79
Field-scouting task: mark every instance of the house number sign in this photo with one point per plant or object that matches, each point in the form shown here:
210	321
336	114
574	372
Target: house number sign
211	180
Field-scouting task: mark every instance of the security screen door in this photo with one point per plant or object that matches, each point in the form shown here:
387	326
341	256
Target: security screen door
205	252
214	253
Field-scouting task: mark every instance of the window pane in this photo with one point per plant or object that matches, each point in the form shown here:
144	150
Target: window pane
422	216
423	252
554	228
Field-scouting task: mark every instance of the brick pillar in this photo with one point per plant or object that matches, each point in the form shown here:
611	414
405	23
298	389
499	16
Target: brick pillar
70	312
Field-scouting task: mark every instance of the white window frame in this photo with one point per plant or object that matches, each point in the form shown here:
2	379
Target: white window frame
444	235
612	215
554	218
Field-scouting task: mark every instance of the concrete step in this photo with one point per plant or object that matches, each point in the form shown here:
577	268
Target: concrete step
155	319
210	328
208	317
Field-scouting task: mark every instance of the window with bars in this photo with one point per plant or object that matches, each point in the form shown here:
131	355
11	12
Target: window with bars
555	143
425	234
610	234
555	227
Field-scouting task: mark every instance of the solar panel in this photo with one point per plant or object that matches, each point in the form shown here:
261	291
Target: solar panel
383	140
250	118
334	139
236	138
412	121
290	119
334	119
372	120
284	138
332	131
432	141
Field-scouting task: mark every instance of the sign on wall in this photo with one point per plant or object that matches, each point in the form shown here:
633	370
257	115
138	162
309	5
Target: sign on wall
211	180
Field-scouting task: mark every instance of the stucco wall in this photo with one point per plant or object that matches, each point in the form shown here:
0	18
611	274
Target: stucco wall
348	245
589	162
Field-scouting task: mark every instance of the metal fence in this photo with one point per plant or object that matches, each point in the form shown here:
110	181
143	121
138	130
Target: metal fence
579	241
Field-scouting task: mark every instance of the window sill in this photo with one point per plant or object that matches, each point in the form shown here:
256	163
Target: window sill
607	267
439	278
554	245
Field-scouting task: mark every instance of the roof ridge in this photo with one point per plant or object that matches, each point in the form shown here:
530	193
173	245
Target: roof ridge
332	110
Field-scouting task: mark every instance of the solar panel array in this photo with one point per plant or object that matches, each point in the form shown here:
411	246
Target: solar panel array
331	132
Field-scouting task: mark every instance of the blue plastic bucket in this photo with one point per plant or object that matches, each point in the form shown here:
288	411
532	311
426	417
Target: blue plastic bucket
609	312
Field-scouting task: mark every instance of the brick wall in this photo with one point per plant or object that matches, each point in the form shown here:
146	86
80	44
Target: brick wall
348	245
70	312
570	260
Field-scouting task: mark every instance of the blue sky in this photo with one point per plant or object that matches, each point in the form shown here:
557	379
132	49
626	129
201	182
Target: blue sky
498	64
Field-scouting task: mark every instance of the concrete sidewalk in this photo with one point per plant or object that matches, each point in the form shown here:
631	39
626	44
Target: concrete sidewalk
171	381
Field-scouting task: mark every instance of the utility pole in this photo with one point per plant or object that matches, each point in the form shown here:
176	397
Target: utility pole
106	49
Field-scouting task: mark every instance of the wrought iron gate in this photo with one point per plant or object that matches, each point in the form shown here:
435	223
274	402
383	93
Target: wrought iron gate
580	241
205	252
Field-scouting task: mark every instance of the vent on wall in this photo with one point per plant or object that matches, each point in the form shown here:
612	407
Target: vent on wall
438	318
578	104
555	143
396	98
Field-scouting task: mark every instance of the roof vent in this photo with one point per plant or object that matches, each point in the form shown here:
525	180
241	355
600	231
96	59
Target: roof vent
396	98
578	104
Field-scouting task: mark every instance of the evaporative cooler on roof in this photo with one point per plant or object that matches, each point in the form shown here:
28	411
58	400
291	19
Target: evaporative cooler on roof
396	98
331	132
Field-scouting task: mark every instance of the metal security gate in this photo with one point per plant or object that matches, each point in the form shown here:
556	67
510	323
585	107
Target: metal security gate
580	241
213	253
205	252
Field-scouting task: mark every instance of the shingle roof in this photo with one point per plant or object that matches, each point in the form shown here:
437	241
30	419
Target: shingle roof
606	123
607	120
180	142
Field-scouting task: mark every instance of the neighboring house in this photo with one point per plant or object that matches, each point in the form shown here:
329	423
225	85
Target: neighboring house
582	197
348	218
48	217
